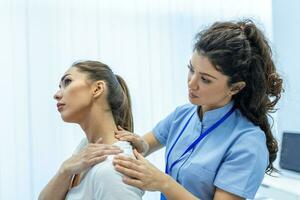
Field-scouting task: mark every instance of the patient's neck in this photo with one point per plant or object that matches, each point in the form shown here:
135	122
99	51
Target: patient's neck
100	124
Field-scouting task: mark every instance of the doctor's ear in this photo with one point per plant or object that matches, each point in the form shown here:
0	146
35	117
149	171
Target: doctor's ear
98	88
237	87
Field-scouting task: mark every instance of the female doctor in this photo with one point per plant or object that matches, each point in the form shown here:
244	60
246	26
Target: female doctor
219	146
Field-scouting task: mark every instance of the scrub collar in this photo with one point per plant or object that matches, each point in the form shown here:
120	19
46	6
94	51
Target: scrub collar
212	116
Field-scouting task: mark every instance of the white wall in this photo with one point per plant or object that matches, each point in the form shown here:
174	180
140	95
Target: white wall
148	42
286	30
286	44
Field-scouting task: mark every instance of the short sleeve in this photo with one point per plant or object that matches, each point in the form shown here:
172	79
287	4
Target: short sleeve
107	184
161	130
243	168
81	145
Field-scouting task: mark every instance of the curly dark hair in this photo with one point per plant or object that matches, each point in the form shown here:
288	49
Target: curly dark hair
240	51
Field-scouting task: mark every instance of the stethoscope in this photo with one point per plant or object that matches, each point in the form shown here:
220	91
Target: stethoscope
168	169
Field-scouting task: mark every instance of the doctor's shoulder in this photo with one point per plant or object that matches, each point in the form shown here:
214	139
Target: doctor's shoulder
184	110
249	136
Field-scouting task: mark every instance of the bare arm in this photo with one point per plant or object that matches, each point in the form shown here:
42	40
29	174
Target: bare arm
223	195
152	143
57	188
174	191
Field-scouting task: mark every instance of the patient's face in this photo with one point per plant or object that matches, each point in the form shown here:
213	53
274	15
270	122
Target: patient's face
74	97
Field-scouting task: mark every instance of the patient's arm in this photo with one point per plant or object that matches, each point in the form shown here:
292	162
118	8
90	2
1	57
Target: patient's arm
57	188
91	154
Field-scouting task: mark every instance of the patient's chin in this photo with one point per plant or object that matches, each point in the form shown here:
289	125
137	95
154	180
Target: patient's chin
67	118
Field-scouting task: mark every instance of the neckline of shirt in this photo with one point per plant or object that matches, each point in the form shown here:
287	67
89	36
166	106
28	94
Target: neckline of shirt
212	116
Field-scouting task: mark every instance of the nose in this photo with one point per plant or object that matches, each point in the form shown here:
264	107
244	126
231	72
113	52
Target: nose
57	96
192	82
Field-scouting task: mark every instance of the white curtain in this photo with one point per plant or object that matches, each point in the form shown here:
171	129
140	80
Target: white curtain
148	42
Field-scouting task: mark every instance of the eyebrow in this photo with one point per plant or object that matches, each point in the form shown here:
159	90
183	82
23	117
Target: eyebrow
62	78
202	73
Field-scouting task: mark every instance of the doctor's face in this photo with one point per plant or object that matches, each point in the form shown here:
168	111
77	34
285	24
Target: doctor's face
207	86
74	96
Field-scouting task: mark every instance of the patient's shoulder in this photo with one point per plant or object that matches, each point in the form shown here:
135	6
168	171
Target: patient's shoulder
107	182
106	169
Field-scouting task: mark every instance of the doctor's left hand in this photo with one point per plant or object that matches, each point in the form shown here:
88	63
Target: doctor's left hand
140	172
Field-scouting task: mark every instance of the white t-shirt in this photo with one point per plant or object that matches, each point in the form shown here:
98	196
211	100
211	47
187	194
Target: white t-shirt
103	182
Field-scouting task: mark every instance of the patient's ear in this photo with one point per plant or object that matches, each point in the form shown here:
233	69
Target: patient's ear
98	88
237	87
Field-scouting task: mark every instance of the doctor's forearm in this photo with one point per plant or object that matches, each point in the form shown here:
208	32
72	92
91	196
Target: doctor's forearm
151	144
174	191
57	188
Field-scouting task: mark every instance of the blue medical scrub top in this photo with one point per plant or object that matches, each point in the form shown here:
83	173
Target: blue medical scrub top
233	157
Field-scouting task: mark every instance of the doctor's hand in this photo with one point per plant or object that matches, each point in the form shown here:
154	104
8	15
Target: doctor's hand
137	141
90	155
140	172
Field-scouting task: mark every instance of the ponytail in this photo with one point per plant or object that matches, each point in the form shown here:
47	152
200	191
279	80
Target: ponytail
270	84
126	118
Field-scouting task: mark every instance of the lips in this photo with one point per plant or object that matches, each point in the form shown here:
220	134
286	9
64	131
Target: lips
191	95
60	106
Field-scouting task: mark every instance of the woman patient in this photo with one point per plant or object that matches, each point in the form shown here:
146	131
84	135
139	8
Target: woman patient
91	95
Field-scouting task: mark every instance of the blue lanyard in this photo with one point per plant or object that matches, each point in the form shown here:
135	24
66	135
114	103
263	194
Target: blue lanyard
193	145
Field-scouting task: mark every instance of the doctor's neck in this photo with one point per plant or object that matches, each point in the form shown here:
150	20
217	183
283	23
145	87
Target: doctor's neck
204	108
201	112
